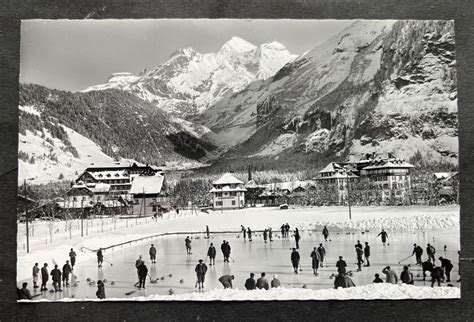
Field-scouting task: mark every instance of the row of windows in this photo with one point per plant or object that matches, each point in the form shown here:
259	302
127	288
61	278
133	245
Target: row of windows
219	203
226	194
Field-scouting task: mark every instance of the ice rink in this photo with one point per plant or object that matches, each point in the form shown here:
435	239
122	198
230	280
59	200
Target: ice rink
256	256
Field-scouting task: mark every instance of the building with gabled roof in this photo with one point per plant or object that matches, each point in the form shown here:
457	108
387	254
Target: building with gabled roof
149	196
228	192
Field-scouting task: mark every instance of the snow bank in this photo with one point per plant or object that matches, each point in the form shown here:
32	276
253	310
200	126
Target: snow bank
382	291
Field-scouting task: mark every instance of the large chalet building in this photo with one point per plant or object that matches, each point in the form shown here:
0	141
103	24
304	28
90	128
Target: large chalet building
228	192
149	196
383	179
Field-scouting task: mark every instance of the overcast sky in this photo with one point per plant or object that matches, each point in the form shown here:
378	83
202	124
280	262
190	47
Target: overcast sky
75	54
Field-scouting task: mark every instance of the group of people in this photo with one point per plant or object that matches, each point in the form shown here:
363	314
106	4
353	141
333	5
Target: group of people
285	230
58	277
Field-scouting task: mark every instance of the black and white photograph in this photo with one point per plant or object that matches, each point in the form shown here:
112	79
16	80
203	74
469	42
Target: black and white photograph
237	160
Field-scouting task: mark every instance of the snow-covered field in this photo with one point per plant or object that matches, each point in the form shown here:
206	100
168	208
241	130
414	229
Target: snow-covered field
393	219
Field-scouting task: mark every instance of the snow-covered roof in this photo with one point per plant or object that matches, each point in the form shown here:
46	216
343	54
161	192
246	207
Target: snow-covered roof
341	175
111	174
98	187
389	164
227	178
227	189
331	167
441	175
253	185
147	184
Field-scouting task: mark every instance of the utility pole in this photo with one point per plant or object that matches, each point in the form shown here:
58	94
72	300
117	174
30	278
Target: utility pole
82	217
27	219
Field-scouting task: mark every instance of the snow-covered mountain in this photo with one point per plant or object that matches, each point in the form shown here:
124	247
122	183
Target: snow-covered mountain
377	86
190	82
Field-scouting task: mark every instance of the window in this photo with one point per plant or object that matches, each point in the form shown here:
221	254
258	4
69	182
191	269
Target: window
233	194
218	194
153	208
218	203
233	202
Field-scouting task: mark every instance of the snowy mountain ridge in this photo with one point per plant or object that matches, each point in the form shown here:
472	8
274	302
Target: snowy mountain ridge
190	82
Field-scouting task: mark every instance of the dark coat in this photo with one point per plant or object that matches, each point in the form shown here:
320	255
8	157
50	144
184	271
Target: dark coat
187	242
359	252
321	251
325	232
201	269
316	258
297	235
56	274
446	263
226	280
99	255
295	257
341	266
100	290
343	281
250	284
378	280
152	250
437	272
418	251
430	250
384	236
24	294
367	251
406	277
211	252
262	283
72	254
427	266
44	273
275	283
139	262
142	270
67	269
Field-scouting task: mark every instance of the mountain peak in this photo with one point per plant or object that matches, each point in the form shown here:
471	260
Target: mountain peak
273	45
189	52
237	45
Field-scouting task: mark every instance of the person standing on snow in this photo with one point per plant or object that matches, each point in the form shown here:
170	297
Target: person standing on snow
359	253
72	257
447	266
200	270
275	281
265	236
325	233
341	266
187	243
391	277
36	271
316	258
100	290
297	238
211	253
142	273
262	282
152	253
367	253
430	251
295	260
226	280
384	236
322	253
100	258
67	269
56	277
250	282
44	277
418	251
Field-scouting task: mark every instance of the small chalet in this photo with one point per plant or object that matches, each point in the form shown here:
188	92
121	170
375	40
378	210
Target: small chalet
83	195
253	191
228	193
149	196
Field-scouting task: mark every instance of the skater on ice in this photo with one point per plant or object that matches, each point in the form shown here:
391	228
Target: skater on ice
359	254
418	251
322	253
262	282
430	251
377	279
211	253
282	228
67	269
72	257
359	245
244	231
142	274
138	263
447	266
325	233
367	253
200	270
315	259
44	276
295	260
275	281
390	275
56	277
226	280
341	266
36	271
250	283
297	238
100	258
152	253
100	290
406	276
187	243
270	234
249	232
383	235
207	231
287	230
225	248
265	236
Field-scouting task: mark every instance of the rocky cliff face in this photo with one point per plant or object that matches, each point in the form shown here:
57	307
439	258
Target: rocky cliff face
378	86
